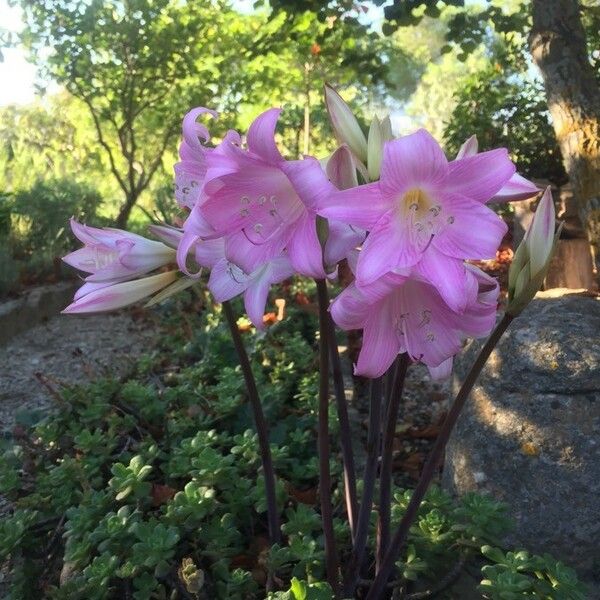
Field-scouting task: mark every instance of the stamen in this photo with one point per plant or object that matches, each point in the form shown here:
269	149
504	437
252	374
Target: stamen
450	220
244	212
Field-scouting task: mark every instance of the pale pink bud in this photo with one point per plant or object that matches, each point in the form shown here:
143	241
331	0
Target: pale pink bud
119	295
341	169
469	148
541	233
344	123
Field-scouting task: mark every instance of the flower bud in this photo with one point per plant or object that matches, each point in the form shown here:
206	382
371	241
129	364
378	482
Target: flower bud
341	169
469	148
532	258
386	129
375	149
344	123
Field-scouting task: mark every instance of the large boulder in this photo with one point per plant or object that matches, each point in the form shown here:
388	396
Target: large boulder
530	432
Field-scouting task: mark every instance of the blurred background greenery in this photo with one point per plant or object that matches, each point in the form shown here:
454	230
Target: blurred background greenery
115	77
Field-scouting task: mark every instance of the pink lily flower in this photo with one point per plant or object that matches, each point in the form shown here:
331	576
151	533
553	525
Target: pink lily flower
425	210
255	193
407	314
190	171
227	280
111	255
110	295
516	188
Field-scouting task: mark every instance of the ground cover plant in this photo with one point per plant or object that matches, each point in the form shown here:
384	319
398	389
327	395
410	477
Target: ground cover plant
150	486
408	223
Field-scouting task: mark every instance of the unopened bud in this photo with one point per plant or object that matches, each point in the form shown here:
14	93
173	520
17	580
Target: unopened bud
375	149
344	123
341	169
532	258
386	129
469	148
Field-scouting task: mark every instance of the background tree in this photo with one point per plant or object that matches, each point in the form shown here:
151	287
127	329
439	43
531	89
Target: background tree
138	65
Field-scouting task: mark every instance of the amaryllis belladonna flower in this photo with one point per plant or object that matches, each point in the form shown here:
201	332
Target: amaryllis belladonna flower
256	194
422	203
115	255
407	314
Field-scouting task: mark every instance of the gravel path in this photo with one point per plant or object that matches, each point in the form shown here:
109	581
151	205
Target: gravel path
66	349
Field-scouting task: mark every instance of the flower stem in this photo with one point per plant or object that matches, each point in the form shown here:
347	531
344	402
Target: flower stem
370	473
261	425
331	558
385	477
430	468
345	433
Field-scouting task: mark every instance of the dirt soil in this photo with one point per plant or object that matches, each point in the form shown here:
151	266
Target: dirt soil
66	349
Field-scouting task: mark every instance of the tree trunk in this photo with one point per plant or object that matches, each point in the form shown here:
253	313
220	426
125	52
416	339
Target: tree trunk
125	210
558	46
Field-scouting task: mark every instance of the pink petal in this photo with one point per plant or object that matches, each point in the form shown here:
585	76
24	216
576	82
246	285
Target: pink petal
447	275
380	344
209	252
227	281
261	136
361	206
412	161
255	299
517	188
480	176
342	239
350	309
304	248
390	245
309	181
473	230
189	177
442	371
248	255
429	332
169	235
193	132
188	242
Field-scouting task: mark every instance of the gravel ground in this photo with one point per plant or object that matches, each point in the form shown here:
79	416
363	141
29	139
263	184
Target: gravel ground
66	349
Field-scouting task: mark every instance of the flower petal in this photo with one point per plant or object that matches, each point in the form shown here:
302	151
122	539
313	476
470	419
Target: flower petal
517	188
448	275
227	281
380	344
304	248
309	181
360	206
341	169
388	246
480	176
261	136
412	161
473	231
255	300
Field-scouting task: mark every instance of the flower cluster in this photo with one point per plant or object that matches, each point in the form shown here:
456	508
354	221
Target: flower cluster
254	219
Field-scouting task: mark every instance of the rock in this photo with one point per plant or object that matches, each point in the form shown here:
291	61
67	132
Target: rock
530	432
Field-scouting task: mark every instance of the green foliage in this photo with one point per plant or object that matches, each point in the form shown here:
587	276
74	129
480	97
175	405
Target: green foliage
510	112
146	487
35	222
